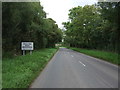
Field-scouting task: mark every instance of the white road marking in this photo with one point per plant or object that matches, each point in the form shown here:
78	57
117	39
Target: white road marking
72	56
82	63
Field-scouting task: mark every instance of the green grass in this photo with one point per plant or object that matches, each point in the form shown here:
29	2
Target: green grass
21	71
0	73
107	56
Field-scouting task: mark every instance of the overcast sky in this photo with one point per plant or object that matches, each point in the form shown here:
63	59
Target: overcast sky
58	9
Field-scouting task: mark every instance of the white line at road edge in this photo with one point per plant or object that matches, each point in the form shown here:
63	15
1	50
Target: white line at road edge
82	63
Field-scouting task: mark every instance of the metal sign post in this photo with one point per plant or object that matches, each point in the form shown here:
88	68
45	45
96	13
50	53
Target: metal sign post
23	52
30	52
27	46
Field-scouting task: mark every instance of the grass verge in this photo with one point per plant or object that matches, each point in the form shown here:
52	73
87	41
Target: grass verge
107	56
21	71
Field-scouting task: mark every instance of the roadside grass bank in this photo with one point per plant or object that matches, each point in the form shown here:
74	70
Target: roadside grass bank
107	56
19	72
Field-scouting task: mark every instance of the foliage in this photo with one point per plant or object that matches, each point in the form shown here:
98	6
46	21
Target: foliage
26	21
54	33
94	26
21	71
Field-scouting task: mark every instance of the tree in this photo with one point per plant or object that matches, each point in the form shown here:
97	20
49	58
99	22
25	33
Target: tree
82	25
27	22
54	34
94	26
110	11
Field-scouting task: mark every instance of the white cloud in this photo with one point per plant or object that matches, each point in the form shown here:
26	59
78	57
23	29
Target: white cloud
59	9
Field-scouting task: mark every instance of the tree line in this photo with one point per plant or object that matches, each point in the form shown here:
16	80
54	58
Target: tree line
26	21
94	26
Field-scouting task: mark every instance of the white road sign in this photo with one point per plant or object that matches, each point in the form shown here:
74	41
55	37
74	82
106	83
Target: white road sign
27	46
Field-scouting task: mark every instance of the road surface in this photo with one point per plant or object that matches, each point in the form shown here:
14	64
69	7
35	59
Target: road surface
70	69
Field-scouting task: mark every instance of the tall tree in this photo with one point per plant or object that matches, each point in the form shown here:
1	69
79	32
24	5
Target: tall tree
94	26
27	22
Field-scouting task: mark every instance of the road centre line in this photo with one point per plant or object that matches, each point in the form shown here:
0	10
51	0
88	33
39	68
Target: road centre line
72	56
82	63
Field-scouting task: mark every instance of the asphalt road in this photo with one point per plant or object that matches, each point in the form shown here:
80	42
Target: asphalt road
70	69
